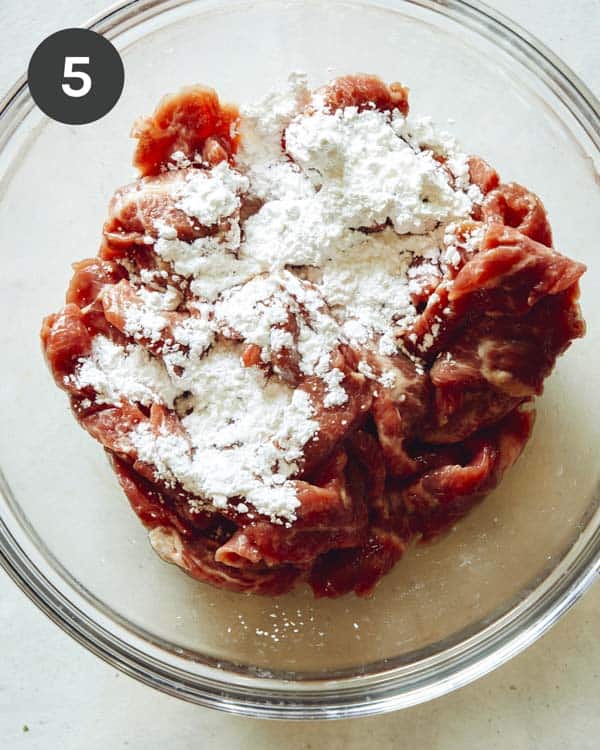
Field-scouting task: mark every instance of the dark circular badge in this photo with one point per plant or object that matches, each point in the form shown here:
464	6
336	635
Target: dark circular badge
76	76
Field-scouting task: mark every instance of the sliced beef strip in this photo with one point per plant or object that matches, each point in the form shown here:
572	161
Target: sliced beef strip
514	206
193	122
365	92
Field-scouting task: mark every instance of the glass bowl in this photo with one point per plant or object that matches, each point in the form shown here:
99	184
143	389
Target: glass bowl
450	611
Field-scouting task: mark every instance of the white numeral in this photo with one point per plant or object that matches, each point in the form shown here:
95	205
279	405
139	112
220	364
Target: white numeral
86	81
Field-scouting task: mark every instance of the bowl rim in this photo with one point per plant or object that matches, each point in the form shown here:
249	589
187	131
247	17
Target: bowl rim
223	685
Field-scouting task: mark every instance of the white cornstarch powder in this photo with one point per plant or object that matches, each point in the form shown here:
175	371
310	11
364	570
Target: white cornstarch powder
116	372
244	436
369	175
323	244
210	196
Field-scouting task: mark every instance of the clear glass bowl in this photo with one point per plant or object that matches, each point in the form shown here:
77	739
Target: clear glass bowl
450	611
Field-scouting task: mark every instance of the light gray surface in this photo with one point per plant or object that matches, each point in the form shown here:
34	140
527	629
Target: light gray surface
545	698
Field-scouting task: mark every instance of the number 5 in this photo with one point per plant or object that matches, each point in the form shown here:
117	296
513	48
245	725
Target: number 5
86	81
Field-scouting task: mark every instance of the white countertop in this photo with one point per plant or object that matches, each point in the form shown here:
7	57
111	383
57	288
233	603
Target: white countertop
68	699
